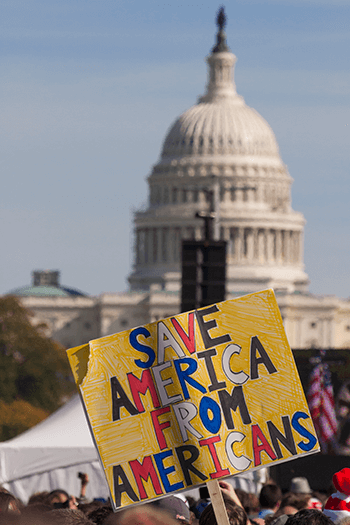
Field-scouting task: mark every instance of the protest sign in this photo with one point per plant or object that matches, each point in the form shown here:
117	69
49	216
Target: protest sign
199	396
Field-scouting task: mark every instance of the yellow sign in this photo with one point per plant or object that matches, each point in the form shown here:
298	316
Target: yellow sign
199	396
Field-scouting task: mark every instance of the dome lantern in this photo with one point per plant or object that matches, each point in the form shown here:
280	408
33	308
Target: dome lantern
221	63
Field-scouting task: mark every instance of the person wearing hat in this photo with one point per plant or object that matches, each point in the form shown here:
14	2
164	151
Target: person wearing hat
175	507
337	506
301	487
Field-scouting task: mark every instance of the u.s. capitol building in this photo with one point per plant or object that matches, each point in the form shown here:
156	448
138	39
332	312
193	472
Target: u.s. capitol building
222	147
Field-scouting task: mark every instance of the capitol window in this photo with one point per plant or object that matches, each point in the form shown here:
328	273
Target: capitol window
166	195
174	195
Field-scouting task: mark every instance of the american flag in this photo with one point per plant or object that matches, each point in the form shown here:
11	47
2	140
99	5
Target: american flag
321	402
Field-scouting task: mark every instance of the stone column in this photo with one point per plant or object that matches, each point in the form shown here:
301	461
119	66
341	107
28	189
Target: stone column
261	246
296	246
147	246
154	236
198	233
174	195
287	246
273	246
173	244
301	247
255	245
269	251
239	195
184	233
201	198
227	196
164	245
250	244
296	237
250	195
232	232
259	192
278	246
137	247
159	239
177	244
239	244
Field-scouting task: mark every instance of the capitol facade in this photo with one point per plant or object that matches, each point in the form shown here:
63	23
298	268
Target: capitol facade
219	155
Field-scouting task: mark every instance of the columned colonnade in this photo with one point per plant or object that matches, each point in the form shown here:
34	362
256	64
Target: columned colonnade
271	192
255	245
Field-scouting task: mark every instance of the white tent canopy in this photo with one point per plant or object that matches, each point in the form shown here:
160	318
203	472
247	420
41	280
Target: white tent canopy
50	456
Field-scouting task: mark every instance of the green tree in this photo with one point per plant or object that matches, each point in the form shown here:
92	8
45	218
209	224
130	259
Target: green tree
33	368
18	416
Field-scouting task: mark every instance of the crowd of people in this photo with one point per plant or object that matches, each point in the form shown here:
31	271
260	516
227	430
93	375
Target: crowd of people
299	506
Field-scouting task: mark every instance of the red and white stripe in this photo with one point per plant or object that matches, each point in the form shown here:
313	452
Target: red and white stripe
337	506
321	403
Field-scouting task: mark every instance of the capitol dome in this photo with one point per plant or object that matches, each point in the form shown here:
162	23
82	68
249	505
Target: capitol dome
220	124
224	127
46	283
221	156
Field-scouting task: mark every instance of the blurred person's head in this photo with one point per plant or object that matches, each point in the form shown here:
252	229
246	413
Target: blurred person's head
298	501
288	510
142	514
242	495
270	497
58	496
60	499
9	503
99	514
236	515
250	502
35	514
68	517
38	497
309	517
300	485
175	507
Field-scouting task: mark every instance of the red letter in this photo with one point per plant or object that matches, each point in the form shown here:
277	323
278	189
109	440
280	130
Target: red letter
210	443
140	386
144	471
257	433
189	340
159	427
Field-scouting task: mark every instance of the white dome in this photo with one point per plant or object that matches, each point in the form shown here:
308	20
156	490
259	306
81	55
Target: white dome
221	157
222	127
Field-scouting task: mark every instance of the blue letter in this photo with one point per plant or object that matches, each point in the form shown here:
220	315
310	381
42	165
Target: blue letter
212	425
164	472
142	348
303	432
184	375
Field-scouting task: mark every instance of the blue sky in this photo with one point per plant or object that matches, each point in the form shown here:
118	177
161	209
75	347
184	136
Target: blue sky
89	88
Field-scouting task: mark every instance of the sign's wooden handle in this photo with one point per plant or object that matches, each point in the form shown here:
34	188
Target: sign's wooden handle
218	502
